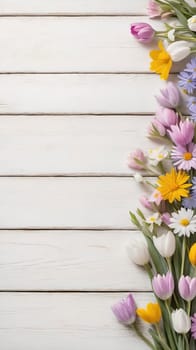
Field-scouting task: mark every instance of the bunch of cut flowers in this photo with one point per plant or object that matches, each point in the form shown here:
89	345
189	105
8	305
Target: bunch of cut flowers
177	39
166	249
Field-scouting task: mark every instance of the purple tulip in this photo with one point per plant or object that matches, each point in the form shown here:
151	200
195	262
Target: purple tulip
167	117
156	126
183	133
136	159
169	97
163	286
143	32
187	287
125	310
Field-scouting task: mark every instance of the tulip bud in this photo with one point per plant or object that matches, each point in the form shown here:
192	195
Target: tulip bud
143	32
187	287
192	254
179	50
181	321
125	310
163	286
167	116
153	9
152	313
136	160
169	96
165	217
138	252
145	202
192	23
165	244
156	127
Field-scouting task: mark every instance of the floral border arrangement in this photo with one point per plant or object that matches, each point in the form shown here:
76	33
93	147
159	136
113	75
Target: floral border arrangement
167	247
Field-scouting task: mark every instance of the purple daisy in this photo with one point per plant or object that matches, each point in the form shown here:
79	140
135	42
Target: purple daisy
193	327
184	157
191	67
190	202
192	107
186	82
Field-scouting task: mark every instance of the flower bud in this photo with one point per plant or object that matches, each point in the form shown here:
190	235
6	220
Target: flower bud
138	178
145	202
167	116
187	287
138	252
179	50
163	286
165	217
192	254
181	321
153	9
143	32
136	159
165	244
192	23
156	127
125	310
169	97
152	313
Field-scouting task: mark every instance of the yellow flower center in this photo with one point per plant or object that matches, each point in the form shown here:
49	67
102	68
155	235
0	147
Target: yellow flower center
152	219
187	156
184	222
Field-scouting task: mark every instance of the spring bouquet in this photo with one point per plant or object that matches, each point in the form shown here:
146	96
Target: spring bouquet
166	248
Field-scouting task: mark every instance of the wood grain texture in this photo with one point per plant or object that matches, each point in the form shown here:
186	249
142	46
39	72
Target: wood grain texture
64	321
75	44
70	7
78	93
70	145
69	260
68	202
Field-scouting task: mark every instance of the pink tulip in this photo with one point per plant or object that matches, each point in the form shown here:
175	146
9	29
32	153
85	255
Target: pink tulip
136	160
156	126
153	9
167	116
187	287
169	97
143	32
183	133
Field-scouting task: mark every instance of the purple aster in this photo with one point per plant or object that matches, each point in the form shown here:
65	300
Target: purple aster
194	184
193	327
192	107
191	67
186	82
190	202
184	157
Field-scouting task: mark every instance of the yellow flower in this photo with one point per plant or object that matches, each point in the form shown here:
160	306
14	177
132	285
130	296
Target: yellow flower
173	185
192	254
161	61
152	313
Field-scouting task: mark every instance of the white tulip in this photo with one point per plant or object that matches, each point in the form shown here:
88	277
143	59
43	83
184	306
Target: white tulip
181	321
165	244
192	23
191	3
179	50
137	251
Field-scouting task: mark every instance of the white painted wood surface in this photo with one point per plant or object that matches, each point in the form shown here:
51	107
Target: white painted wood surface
75	99
48	321
73	7
72	202
69	260
69	145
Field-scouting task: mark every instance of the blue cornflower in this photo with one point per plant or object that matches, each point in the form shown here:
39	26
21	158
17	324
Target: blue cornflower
191	67
191	104
186	82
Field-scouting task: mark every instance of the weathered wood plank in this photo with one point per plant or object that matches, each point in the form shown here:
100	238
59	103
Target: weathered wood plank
78	93
68	145
53	260
70	7
51	321
75	44
67	202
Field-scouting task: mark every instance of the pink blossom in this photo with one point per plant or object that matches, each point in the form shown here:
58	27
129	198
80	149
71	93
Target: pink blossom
136	160
167	116
143	32
183	133
156	197
169	97
156	126
165	217
145	202
153	9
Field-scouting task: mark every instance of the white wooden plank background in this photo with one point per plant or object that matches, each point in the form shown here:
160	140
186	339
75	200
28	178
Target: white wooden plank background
76	96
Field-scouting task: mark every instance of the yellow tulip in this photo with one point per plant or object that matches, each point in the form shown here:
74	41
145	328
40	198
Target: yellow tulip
192	254
152	313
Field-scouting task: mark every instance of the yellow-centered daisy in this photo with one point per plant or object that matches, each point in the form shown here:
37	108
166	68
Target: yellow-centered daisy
173	185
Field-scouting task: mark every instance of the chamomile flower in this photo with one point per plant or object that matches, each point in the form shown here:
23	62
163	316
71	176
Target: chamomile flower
156	155
154	219
183	222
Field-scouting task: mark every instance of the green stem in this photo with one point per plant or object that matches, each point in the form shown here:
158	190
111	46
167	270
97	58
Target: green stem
189	308
140	334
183	255
164	345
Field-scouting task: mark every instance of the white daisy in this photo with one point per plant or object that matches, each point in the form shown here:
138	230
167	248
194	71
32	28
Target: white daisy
155	218
183	222
156	155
